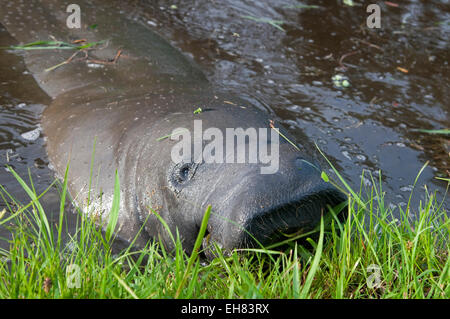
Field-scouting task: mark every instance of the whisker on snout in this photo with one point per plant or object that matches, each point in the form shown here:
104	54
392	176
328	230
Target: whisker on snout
279	222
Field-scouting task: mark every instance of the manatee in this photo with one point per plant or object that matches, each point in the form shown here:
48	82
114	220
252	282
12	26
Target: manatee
126	106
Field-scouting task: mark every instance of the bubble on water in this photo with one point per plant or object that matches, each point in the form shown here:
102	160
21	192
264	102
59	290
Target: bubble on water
407	188
294	108
361	157
347	155
271	81
32	135
366	182
21	105
95	66
290	123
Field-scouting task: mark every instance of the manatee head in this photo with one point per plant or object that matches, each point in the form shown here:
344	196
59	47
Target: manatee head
236	159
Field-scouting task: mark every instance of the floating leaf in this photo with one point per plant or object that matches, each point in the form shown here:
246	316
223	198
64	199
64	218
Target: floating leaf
443	131
325	177
52	45
301	6
349	3
274	23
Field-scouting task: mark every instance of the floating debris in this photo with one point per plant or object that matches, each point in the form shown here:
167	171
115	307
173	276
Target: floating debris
391	4
340	81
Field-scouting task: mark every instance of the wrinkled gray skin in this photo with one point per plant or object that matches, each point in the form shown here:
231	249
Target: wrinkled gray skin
126	107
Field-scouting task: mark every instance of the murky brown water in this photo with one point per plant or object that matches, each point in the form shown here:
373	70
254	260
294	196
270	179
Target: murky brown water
370	125
367	126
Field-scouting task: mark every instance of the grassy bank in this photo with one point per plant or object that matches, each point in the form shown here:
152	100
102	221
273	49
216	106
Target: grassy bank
369	255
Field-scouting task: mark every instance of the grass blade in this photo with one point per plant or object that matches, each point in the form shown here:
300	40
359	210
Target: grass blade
114	214
315	264
194	254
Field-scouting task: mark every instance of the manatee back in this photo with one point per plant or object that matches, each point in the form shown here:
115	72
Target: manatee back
145	56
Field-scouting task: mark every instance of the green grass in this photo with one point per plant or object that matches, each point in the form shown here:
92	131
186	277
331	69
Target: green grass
371	254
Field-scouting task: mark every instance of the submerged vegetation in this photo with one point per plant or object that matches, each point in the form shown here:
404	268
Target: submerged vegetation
370	254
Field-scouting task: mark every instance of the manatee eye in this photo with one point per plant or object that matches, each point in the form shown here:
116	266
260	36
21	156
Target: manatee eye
183	174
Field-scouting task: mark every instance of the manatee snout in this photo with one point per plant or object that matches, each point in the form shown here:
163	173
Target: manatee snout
269	225
252	210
